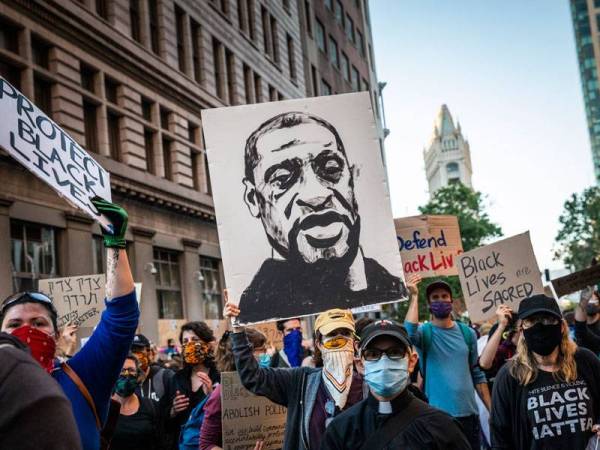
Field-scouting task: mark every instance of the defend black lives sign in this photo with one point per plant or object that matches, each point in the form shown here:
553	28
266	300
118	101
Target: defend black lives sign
34	140
504	272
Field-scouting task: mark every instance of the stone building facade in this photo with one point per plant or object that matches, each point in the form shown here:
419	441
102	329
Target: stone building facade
127	79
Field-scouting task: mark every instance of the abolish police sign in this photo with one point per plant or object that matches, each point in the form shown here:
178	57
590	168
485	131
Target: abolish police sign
38	143
504	272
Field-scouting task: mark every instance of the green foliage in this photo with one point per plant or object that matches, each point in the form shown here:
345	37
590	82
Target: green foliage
468	205
578	239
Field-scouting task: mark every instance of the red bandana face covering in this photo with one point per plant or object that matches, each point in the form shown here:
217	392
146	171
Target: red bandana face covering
41	345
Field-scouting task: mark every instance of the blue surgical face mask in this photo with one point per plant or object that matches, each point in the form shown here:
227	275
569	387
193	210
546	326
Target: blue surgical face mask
387	377
264	360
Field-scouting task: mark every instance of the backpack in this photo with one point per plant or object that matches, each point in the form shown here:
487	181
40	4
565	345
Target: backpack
427	334
189	437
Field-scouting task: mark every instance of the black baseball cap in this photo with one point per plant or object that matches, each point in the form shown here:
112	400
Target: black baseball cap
140	341
384	327
539	304
439	284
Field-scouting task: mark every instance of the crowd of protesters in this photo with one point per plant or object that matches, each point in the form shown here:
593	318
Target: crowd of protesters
364	384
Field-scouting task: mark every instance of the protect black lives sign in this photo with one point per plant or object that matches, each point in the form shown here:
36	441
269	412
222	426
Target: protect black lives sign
33	139
504	272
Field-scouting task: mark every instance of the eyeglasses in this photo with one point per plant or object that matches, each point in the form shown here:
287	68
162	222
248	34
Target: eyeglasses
374	354
544	320
35	296
335	342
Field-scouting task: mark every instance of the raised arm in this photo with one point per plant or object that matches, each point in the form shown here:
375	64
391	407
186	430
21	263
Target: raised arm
99	362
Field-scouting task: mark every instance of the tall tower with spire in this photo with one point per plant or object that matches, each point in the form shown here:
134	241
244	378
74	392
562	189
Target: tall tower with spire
447	158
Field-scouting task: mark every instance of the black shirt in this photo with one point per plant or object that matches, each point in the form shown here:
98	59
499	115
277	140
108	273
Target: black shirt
559	414
137	431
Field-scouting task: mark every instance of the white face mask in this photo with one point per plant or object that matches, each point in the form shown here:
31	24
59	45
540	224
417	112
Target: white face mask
337	372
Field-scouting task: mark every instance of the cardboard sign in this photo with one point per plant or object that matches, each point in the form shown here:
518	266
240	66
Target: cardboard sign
33	139
247	418
576	281
429	245
302	180
269	329
78	300
504	272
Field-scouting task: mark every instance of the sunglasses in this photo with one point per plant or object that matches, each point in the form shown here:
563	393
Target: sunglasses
36	297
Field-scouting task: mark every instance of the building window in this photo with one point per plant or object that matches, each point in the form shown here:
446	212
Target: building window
153	16
211	287
114	136
248	84
40	52
291	57
308	17
345	67
90	125
350	30
320	36
149	149
258	94
9	37
325	88
339	13
333	52
98	255
179	32
219	69
355	79
33	254
102	8
360	43
166	151
42	91
168	285
134	19
197	61
111	88
231	84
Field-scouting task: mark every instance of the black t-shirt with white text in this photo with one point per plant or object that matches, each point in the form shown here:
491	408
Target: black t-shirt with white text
559	413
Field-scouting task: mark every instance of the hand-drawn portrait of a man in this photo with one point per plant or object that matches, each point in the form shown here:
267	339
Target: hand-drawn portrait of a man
300	183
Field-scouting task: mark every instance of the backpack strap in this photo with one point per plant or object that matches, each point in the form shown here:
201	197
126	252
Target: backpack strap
84	391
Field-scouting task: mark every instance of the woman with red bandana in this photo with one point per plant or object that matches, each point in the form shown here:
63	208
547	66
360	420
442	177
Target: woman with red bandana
89	376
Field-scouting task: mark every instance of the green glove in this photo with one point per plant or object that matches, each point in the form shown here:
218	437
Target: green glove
118	219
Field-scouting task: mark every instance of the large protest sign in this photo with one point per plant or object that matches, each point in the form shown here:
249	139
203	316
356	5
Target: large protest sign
248	418
429	245
78	300
504	272
576	281
34	140
303	210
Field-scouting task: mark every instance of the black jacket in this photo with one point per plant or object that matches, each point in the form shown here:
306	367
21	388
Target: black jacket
509	426
433	429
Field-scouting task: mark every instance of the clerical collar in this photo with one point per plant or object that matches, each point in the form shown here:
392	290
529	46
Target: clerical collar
385	408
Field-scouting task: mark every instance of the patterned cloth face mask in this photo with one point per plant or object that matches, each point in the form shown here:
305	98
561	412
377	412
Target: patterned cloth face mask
195	352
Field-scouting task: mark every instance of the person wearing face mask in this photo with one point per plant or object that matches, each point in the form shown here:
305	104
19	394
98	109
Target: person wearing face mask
448	358
391	417
312	396
547	396
211	432
154	378
587	321
292	353
192	384
87	379
138	426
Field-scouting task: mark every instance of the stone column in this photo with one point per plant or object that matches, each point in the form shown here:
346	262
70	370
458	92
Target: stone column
143	251
78	237
192	292
6	284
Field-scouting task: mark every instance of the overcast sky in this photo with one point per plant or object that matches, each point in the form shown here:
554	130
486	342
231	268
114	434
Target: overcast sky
508	71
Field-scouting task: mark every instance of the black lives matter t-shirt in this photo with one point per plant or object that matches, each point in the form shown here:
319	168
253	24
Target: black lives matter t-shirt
560	414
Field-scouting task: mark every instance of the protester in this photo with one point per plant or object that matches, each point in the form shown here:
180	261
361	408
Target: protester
32	406
448	358
89	376
154	378
547	396
292	353
139	424
313	396
211	433
194	382
391	417
587	321
500	348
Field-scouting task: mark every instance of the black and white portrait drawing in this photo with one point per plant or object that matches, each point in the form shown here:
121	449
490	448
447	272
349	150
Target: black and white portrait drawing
305	181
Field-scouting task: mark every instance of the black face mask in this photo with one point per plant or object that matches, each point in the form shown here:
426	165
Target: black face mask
543	339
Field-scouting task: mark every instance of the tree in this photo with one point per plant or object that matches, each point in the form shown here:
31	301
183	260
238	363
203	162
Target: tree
578	239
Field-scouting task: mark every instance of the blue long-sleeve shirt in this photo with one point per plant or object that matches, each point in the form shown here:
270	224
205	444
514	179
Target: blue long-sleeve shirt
450	375
99	364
